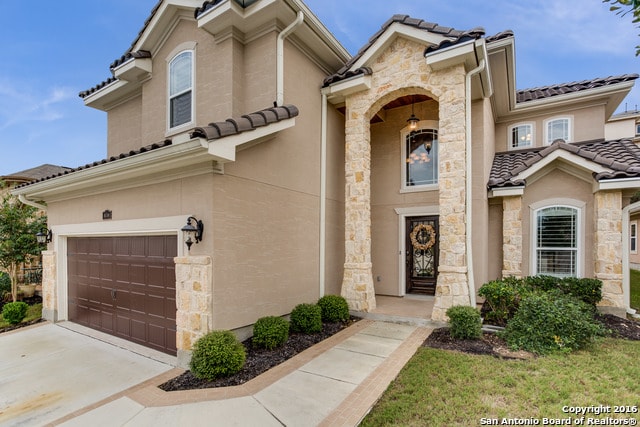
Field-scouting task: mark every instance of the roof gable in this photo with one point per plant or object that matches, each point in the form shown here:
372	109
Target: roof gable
605	159
428	33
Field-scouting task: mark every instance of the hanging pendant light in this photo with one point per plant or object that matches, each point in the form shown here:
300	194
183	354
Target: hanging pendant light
413	120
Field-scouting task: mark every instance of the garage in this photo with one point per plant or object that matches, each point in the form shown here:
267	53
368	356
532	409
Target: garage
125	286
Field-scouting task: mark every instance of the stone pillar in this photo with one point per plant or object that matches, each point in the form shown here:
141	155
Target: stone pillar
194	301
357	283
512	236
452	287
608	249
49	287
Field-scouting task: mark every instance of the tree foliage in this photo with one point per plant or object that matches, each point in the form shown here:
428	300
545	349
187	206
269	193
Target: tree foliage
18	225
625	7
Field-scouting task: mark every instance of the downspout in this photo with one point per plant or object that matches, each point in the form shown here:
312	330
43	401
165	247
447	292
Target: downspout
323	192
280	57
469	182
626	285
28	202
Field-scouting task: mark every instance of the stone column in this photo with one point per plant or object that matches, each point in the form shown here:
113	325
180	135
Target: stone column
512	236
357	283
194	301
49	287
608	249
452	287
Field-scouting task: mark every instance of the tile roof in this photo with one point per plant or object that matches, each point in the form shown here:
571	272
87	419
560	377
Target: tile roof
128	55
141	150
459	36
245	123
622	156
532	94
38	172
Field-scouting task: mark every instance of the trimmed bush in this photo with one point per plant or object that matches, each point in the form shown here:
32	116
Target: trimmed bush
306	318
465	322
502	297
334	308
270	332
14	312
548	322
217	354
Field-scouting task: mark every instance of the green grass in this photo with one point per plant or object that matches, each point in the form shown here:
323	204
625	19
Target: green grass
34	312
634	283
443	388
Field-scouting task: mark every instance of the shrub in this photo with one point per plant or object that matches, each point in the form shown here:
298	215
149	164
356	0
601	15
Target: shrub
502	297
549	322
587	290
465	322
14	312
306	318
270	332
334	308
217	354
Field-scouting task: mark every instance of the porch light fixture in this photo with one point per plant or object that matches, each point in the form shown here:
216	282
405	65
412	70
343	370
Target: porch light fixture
44	237
413	120
192	234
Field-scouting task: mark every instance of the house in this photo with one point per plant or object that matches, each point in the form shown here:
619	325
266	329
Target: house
253	164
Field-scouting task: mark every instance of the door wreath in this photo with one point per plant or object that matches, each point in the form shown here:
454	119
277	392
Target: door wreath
419	232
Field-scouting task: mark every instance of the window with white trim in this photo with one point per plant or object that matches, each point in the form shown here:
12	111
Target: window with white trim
557	128
556	241
633	237
420	156
520	136
181	89
637	129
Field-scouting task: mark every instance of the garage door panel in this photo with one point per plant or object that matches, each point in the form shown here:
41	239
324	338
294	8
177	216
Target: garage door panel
125	286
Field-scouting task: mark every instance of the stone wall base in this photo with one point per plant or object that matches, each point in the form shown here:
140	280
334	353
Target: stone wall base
357	287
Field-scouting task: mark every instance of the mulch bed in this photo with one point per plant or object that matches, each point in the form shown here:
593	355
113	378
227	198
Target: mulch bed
258	360
31	301
491	344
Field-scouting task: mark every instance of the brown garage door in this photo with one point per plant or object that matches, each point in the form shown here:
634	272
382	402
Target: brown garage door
125	286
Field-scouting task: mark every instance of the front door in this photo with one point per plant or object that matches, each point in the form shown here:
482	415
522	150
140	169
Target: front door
421	254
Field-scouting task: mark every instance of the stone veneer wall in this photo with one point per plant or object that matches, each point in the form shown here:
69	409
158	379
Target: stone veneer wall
401	70
512	236
608	248
49	288
194	300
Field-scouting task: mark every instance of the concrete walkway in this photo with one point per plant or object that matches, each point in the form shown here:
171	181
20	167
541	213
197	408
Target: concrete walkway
334	383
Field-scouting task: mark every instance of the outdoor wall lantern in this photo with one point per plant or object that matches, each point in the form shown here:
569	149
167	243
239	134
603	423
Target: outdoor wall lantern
192	234
44	238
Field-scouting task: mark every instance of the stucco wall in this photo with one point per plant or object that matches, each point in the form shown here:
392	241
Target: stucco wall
124	128
588	124
555	185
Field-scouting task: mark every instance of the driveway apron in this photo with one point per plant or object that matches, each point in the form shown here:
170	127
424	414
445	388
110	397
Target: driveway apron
48	371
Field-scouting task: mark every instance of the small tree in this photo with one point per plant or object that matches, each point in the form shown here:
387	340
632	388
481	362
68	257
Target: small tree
18	225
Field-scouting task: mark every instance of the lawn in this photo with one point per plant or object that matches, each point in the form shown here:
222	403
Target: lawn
34	312
444	388
635	289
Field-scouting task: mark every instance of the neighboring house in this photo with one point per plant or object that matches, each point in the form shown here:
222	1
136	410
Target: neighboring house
332	190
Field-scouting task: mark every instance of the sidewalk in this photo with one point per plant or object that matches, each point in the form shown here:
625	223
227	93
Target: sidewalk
334	383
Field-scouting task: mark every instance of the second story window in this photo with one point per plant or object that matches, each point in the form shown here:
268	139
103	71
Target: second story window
521	136
181	89
557	128
420	154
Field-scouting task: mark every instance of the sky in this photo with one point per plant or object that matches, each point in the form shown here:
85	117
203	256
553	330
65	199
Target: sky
52	50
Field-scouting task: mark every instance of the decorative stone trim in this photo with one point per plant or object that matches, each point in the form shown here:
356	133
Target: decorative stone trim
512	236
194	301
608	247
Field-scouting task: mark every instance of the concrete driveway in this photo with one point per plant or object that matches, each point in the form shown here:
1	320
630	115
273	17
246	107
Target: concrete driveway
49	371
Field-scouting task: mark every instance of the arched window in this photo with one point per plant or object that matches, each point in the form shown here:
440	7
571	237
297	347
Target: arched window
557	241
420	157
521	136
181	89
557	128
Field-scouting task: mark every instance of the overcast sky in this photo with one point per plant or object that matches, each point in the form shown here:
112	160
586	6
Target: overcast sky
52	50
